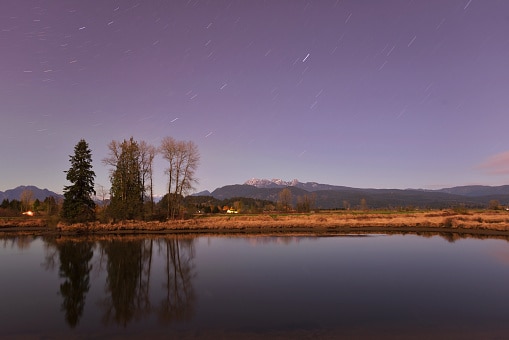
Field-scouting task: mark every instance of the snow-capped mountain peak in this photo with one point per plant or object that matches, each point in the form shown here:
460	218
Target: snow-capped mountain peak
269	183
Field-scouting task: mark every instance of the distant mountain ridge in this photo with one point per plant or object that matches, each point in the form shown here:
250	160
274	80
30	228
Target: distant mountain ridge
279	183
477	190
266	183
40	194
337	197
329	196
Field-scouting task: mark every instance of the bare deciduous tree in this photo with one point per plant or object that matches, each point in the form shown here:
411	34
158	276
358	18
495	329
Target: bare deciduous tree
115	151
285	199
183	158
305	203
101	193
346	205
147	155
26	198
363	204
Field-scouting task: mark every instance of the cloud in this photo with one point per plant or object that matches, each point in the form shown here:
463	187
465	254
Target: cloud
497	164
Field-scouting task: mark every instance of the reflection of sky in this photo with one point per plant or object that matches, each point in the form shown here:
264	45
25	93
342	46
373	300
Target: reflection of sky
376	282
502	254
388	279
358	93
28	292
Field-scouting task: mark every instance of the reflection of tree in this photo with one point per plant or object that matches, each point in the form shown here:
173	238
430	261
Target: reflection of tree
451	237
128	263
75	269
128	280
179	299
21	242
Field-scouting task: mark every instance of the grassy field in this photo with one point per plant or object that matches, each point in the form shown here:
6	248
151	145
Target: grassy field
480	222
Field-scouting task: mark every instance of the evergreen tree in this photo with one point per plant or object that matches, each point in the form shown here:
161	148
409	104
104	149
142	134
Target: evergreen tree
5	204
78	205
127	189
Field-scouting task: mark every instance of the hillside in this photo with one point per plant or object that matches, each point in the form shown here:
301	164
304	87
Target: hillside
477	190
328	196
15	194
339	197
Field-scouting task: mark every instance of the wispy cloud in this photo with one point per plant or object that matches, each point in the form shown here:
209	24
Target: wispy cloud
497	164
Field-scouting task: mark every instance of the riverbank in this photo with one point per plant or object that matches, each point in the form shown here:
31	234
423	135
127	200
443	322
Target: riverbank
472	222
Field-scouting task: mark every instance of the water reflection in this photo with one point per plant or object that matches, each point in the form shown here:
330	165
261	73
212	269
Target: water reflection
127	283
179	295
75	269
259	284
128	262
21	242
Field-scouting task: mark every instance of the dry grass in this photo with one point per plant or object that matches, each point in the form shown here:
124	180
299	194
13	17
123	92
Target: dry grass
24	222
472	221
493	221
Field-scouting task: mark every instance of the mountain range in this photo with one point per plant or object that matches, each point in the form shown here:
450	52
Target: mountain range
328	196
15	194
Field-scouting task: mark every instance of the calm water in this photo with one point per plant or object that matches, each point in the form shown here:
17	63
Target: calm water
369	286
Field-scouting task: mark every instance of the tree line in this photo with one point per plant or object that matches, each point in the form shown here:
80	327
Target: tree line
12	208
131	195
303	203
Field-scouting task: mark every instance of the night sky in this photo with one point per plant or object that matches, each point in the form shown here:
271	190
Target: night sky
367	93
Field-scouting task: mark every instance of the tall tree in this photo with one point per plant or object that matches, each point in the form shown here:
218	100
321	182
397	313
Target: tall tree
78	204
50	205
183	158
101	193
305	203
26	198
285	199
126	180
363	204
147	155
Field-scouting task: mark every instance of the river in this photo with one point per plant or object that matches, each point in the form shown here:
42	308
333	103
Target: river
281	286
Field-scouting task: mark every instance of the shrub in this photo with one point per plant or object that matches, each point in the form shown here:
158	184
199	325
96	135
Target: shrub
448	222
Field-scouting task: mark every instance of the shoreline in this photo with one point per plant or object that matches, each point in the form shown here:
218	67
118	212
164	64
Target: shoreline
494	223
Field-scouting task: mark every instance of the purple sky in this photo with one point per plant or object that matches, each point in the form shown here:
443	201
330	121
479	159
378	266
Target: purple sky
383	94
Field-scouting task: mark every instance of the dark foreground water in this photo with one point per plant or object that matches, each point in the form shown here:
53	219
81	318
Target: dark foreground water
371	286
